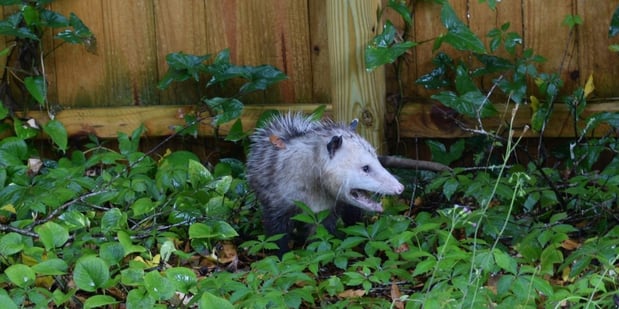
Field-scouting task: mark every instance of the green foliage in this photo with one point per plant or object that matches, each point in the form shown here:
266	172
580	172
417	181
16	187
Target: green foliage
218	72
102	219
27	26
100	227
516	223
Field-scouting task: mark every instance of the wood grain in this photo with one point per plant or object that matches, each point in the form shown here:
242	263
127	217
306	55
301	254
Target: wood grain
418	120
546	34
124	70
355	92
594	56
180	28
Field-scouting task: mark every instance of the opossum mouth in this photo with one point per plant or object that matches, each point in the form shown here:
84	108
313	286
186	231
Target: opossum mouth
364	200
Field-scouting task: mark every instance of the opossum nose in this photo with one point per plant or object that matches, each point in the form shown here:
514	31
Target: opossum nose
399	188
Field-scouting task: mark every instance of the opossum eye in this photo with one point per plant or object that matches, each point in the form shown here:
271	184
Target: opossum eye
366	168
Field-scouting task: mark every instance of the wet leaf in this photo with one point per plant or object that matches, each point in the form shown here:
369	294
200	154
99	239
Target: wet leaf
57	132
36	87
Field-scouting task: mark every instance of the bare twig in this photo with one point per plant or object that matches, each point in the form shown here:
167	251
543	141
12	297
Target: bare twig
399	162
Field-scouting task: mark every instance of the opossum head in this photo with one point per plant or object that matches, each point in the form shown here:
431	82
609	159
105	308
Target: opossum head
354	175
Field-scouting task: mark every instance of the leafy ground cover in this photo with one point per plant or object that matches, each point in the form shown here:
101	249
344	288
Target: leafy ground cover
508	227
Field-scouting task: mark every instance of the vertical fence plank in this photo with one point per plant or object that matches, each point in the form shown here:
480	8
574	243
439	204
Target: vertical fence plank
595	57
321	82
427	27
130	51
355	92
124	71
271	32
80	76
546	34
181	27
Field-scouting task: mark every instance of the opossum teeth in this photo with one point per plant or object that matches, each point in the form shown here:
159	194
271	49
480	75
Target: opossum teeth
364	198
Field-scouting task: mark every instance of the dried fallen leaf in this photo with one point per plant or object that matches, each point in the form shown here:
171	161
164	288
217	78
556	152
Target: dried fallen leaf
395	296
565	275
589	86
351	293
570	244
402	248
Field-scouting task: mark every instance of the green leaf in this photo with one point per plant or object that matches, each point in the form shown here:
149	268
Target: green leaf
10	244
183	278
222	185
491	3
543	286
216	230
227	109
4	111
6	302
125	240
182	67
99	301
139	298
160	288
549	257
10	2
208	300
79	34
572	20
31	15
401	7
58	133
20	275
37	88
132	276
198	174
450	187
440	153
51	267
458	34
505	261
261	77
12	26
425	266
53	19
236	132
131	144
384	49
613	30
24	130
611	118
90	273
143	206
112	252
113	220
52	235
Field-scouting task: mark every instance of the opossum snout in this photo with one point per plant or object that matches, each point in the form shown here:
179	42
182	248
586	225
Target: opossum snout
399	189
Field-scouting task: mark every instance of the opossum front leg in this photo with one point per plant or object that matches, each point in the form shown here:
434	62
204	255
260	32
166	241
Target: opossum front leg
350	214
279	223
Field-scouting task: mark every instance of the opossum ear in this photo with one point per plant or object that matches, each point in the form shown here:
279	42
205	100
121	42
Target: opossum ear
354	123
333	145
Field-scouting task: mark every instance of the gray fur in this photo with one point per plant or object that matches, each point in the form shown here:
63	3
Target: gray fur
319	163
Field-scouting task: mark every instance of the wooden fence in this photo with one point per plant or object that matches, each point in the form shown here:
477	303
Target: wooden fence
115	89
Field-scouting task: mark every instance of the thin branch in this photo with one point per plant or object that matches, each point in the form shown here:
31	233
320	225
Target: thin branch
399	162
9	228
66	205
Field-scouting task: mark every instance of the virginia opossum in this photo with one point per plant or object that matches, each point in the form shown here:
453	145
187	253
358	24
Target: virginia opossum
324	164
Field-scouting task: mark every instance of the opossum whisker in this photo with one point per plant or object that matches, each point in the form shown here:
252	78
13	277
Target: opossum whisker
341	190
